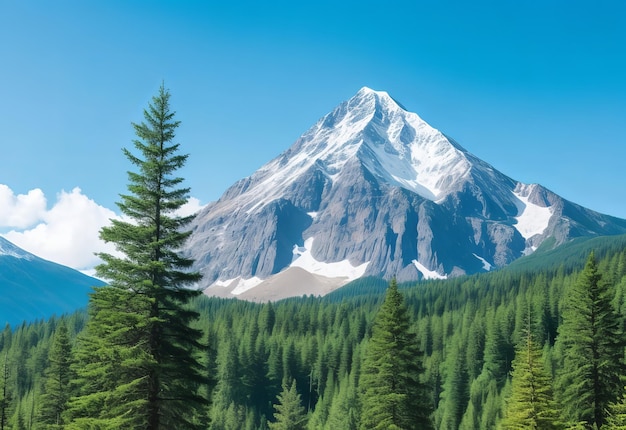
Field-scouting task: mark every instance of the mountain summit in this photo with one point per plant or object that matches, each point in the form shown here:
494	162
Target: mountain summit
372	189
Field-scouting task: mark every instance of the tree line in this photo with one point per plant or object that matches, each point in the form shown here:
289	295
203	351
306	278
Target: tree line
511	349
490	351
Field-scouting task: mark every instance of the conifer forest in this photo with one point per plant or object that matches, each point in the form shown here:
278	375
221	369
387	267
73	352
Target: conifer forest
536	346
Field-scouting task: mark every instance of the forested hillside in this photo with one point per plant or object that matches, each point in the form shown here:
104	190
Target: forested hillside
479	339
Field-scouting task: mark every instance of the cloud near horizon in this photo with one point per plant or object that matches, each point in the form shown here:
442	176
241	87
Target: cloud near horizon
68	232
22	210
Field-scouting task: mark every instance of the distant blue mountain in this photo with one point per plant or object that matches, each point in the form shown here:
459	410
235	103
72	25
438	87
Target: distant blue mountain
32	288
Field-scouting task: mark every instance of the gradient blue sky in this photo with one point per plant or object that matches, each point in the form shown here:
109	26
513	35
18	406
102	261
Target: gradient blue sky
536	88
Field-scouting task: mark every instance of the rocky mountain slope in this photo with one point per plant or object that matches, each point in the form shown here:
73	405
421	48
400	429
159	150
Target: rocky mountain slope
372	189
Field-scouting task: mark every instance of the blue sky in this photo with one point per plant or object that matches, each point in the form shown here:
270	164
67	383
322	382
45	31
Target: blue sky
535	88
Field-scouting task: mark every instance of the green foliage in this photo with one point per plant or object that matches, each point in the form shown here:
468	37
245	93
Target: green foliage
156	380
392	394
616	417
531	403
569	255
592	340
290	414
5	400
56	389
111	361
467	328
455	387
229	388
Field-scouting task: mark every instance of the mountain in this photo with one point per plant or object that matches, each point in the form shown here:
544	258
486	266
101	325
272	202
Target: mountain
32	288
373	190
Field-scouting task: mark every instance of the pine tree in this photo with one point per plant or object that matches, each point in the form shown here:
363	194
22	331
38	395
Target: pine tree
109	361
392	395
616	418
158	380
531	404
455	393
19	422
228	390
491	407
498	353
344	410
56	386
5	401
592	344
290	414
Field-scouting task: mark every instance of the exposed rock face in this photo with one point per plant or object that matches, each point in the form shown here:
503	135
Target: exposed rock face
376	186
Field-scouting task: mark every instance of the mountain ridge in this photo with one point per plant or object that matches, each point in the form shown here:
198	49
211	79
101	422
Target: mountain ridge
373	184
32	288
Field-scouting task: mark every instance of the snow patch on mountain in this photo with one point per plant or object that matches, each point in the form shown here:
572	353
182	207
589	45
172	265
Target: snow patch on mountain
304	259
239	285
245	285
532	219
9	250
428	274
486	265
412	154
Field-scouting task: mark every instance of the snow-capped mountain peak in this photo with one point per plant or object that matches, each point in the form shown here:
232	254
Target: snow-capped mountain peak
372	189
395	145
404	150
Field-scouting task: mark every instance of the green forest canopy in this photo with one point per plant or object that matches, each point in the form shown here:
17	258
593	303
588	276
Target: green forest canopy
468	330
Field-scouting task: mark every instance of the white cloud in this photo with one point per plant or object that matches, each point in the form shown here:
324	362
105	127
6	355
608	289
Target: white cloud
68	232
191	207
22	210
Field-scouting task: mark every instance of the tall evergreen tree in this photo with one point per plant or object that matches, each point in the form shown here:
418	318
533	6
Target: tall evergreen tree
392	395
531	404
498	352
593	347
229	389
5	401
290	414
455	388
344	411
159	371
57	377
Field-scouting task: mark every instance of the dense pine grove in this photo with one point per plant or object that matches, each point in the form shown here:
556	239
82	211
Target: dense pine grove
494	352
539	345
